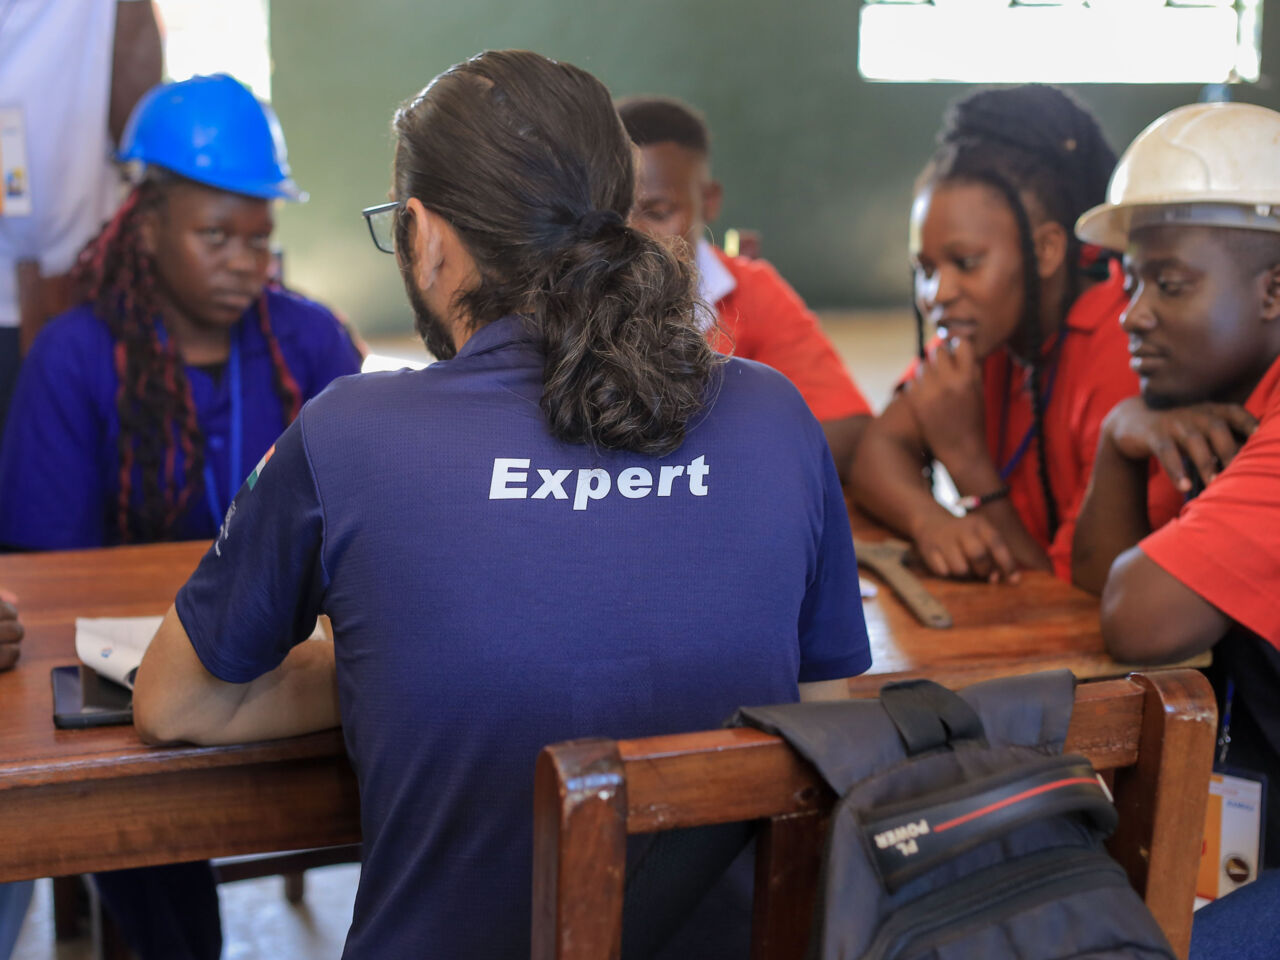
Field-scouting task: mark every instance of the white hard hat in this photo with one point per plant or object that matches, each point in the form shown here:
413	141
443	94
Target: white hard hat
1209	164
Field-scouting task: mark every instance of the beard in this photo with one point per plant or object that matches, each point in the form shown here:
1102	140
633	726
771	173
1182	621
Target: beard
428	324
1162	401
1171	399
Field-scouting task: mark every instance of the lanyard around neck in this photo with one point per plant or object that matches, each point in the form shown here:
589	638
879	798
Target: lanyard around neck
216	508
1024	444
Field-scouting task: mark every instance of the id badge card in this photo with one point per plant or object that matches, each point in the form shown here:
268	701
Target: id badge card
15	174
1231	854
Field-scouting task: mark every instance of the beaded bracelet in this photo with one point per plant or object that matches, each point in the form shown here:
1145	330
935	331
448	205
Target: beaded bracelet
970	504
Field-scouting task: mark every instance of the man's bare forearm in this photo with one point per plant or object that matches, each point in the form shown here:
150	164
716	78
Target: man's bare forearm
176	698
1113	517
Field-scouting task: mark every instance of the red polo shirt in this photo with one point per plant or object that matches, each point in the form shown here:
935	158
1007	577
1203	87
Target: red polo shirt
763	319
1225	544
1091	375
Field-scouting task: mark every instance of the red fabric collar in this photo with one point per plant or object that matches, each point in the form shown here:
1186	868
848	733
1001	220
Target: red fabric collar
1266	389
1100	303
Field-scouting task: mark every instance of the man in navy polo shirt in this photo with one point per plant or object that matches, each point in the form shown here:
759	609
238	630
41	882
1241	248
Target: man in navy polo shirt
581	522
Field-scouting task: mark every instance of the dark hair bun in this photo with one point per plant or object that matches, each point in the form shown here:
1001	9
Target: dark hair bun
1054	145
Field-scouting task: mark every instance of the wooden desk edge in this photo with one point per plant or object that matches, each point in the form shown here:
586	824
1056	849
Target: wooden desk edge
153	760
961	674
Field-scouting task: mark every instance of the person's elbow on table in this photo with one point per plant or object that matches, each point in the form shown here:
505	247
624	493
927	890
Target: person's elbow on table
174	697
1151	617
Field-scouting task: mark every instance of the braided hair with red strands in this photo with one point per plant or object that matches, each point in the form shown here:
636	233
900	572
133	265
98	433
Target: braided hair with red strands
153	399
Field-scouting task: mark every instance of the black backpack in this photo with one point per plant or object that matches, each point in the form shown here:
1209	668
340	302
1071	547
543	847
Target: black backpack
961	830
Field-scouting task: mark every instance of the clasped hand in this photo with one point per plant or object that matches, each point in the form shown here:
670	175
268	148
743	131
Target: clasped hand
1205	435
965	547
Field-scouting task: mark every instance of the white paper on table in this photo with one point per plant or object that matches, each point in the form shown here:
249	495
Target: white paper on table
113	646
867	588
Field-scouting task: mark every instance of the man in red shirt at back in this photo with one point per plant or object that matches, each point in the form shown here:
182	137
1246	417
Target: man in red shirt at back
1195	205
760	317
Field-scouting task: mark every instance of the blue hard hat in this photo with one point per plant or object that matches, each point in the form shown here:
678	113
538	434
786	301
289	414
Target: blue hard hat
214	131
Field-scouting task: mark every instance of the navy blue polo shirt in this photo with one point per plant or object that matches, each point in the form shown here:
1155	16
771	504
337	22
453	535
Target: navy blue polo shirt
494	590
60	463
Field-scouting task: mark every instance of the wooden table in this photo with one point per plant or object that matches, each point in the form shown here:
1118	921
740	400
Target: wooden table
73	801
1040	623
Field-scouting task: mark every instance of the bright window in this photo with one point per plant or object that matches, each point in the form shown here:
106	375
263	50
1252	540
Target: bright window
1061	41
217	36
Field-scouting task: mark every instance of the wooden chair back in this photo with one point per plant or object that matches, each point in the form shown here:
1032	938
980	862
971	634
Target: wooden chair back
1154	732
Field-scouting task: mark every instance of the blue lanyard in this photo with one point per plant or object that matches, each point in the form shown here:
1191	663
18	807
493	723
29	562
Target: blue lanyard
216	509
1025	444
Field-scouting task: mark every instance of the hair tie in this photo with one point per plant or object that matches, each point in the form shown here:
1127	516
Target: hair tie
591	224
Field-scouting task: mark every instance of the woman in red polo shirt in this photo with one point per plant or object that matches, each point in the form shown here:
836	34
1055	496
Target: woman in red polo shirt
1029	355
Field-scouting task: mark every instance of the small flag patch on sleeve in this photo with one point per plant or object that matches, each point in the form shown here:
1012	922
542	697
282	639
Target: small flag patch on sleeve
257	471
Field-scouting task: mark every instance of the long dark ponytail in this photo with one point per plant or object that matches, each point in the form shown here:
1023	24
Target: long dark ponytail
527	160
1038	141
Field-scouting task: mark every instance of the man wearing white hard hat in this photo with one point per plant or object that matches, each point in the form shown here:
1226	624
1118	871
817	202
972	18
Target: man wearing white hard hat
1195	205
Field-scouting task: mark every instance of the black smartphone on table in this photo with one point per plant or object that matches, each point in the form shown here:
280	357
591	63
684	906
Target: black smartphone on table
82	698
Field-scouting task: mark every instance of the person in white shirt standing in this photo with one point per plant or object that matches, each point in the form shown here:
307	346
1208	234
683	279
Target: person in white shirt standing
70	72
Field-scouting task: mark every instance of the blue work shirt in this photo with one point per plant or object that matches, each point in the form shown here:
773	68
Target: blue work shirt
60	462
494	590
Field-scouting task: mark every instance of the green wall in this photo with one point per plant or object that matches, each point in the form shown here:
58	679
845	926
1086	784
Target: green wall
815	158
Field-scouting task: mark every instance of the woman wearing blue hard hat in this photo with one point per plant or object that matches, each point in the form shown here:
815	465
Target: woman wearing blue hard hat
139	412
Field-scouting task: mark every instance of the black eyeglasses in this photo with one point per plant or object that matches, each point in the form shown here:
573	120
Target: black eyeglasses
382	224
